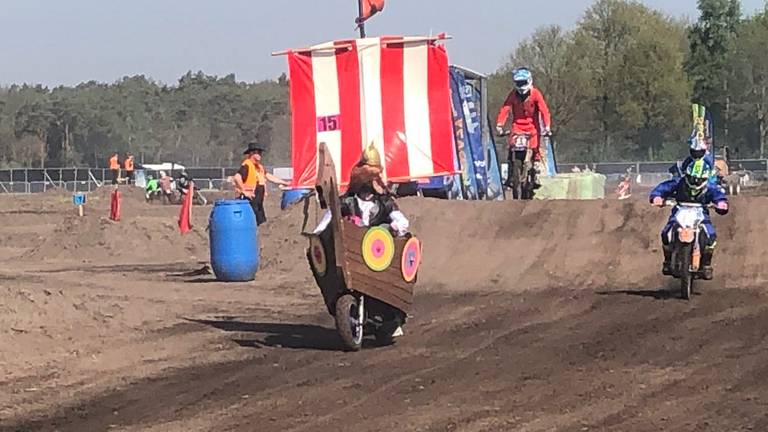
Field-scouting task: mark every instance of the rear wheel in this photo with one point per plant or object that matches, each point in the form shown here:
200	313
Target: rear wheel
686	277
349	323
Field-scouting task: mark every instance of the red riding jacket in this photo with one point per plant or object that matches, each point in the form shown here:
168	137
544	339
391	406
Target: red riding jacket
529	114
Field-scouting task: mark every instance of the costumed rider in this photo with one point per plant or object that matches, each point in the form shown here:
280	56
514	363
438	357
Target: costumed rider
693	187
367	201
530	115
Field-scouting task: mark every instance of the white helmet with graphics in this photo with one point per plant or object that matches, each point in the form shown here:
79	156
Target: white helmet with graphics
523	80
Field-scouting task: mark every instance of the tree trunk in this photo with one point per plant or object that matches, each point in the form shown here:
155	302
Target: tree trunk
727	116
65	145
761	117
43	138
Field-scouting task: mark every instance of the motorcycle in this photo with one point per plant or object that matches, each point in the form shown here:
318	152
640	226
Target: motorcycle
521	173
686	253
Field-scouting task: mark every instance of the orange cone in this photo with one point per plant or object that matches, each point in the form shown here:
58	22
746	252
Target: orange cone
114	207
185	215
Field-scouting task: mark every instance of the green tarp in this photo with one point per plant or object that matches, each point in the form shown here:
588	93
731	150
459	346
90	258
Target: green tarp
575	186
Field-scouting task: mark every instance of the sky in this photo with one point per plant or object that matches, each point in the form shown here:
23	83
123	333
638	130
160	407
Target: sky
57	42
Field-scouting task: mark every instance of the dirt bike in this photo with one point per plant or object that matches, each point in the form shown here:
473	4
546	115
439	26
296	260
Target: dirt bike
686	252
521	173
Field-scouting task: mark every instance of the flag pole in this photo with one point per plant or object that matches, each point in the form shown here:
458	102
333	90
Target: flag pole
361	26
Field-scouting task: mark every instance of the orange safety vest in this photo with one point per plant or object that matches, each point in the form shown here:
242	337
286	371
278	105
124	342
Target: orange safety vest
129	164
256	176
113	163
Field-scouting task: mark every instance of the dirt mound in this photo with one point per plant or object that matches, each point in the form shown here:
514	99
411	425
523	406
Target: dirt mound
135	240
467	245
571	244
144	231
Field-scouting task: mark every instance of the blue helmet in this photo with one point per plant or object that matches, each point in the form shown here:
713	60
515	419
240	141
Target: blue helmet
523	80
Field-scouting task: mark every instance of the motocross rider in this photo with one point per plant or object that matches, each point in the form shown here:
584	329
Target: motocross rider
530	114
693	187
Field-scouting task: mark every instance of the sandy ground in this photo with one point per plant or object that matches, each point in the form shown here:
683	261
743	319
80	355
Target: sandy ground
539	316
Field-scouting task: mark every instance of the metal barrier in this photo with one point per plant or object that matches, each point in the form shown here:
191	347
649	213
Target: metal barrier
35	180
755	165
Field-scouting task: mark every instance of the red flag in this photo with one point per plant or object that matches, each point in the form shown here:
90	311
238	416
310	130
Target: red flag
369	8
185	215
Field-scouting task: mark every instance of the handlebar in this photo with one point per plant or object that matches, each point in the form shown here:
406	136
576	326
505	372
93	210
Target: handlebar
505	133
672	203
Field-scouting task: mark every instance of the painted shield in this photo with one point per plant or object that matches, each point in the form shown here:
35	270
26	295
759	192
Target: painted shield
411	259
317	255
378	249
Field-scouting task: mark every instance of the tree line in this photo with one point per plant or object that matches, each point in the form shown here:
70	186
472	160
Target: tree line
203	120
620	85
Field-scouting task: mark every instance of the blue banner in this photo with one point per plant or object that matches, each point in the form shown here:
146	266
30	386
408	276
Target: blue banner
461	133
495	188
470	101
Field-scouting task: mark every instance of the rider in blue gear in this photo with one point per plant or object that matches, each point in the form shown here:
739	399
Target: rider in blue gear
693	187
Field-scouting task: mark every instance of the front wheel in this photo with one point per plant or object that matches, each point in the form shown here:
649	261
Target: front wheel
515	176
530	181
686	277
349	322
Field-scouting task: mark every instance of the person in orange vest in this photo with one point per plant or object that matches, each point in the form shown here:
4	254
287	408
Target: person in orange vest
251	181
129	167
114	166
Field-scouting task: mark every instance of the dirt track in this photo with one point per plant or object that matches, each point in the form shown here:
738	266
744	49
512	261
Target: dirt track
529	317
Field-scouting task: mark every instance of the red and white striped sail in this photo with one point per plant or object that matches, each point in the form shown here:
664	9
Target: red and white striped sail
389	91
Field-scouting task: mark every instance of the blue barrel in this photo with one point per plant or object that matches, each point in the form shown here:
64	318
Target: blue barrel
234	238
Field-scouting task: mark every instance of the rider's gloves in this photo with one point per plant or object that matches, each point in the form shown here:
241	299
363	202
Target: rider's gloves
658	202
546	132
499	129
721	207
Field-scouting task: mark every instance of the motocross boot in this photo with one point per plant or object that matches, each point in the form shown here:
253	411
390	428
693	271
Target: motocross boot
707	273
666	268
